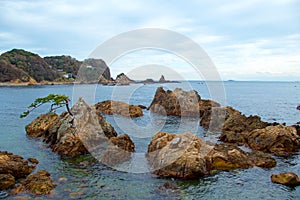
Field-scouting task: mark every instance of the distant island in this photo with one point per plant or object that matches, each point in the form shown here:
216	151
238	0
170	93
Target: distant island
20	67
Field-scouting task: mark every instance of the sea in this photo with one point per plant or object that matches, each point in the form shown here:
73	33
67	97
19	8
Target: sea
86	178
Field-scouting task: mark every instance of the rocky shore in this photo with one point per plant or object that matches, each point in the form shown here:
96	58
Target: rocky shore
184	155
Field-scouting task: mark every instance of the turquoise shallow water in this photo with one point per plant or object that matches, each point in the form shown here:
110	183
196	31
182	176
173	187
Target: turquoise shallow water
88	179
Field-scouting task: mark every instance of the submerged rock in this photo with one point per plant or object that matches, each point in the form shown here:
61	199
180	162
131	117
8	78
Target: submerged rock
288	178
180	156
280	140
38	184
120	108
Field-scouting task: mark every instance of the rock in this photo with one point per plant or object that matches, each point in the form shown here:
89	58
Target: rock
298	107
230	122
142	106
71	135
162	79
205	105
229	156
177	102
15	165
122	79
7	181
179	156
288	178
33	160
120	150
38	184
280	140
120	108
40	125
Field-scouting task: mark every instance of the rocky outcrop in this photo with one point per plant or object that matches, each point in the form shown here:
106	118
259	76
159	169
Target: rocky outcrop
122	79
120	108
180	156
280	140
230	156
120	150
14	165
288	178
38	184
66	134
162	79
187	156
229	121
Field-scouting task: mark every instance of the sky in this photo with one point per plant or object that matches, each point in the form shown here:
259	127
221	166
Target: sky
245	40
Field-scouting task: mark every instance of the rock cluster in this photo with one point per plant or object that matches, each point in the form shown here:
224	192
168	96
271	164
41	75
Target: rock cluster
187	156
86	131
120	108
14	168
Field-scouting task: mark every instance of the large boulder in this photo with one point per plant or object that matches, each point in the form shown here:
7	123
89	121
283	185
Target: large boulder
230	156
15	165
288	178
38	184
177	102
120	108
180	156
280	140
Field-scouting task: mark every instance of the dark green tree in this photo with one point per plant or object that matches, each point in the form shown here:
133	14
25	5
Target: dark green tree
56	101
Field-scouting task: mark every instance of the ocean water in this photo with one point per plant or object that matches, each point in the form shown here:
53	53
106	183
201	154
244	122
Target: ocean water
88	179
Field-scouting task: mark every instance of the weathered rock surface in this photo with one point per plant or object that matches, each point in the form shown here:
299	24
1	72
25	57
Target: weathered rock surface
120	108
288	178
14	165
120	150
180	156
229	121
38	184
7	181
187	156
69	135
230	156
280	140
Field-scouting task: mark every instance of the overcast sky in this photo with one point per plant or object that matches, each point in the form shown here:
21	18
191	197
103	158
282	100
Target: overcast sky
246	40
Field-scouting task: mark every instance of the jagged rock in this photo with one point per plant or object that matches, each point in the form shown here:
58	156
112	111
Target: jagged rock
122	79
177	102
230	156
120	150
162	79
33	160
279	139
14	165
7	181
120	108
180	156
71	135
288	178
38	184
230	123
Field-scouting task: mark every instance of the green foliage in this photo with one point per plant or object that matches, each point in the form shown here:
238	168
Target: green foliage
56	101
